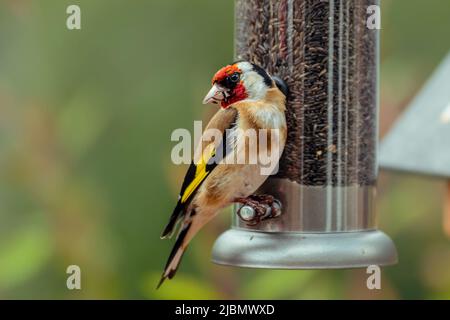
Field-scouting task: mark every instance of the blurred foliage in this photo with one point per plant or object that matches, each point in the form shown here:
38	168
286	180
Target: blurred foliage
86	176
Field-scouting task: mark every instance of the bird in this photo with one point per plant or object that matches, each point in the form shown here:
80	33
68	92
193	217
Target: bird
249	99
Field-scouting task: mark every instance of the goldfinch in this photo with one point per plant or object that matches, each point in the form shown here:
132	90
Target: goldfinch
251	101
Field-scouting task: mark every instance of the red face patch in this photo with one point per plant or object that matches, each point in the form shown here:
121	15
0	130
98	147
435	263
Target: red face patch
236	90
225	72
239	93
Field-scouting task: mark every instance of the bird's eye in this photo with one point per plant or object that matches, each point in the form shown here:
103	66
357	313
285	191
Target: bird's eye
235	77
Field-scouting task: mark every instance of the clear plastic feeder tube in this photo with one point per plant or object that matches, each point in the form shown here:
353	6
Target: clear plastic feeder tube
329	58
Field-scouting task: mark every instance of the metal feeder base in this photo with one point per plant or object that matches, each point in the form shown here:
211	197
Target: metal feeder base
253	249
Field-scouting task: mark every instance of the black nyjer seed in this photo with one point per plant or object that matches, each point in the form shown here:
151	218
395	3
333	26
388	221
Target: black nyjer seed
327	56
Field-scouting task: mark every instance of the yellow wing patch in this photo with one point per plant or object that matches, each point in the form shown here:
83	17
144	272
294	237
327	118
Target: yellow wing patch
200	172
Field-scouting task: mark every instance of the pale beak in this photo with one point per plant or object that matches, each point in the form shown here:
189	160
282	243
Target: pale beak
216	95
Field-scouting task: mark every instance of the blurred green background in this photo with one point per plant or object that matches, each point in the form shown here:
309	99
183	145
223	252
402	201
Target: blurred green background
85	170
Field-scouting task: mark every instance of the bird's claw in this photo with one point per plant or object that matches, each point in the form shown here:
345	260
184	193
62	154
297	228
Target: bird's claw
256	208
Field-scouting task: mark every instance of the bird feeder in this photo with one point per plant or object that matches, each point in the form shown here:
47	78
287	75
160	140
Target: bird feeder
326	182
420	140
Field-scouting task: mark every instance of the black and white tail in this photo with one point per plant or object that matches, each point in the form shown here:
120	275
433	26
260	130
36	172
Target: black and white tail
175	255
